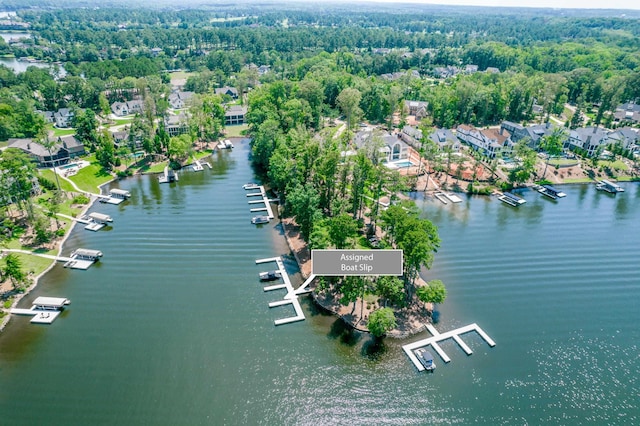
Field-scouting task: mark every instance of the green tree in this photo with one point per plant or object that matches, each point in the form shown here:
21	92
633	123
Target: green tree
303	202
552	145
349	100
381	321
106	150
433	292
13	269
390	289
342	229
179	148
87	128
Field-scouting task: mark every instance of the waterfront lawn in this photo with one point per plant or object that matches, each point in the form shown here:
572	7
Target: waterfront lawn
562	162
615	165
236	131
60	132
91	177
49	175
155	168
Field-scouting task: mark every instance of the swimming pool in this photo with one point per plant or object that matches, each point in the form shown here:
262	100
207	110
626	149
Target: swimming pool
69	166
399	164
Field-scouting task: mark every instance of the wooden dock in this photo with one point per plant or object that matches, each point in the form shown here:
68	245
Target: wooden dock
265	200
438	337
290	298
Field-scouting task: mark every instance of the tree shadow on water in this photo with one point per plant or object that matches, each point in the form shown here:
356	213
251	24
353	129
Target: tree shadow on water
345	334
374	348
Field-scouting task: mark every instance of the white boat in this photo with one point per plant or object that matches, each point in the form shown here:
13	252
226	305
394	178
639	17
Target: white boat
426	359
270	275
260	219
605	185
250	185
551	192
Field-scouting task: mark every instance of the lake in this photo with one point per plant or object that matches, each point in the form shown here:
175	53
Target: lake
173	327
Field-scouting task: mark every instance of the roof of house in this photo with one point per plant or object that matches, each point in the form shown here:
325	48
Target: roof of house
226	90
235	110
441	136
70	142
32	147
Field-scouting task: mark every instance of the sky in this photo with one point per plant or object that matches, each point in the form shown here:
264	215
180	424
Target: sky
567	4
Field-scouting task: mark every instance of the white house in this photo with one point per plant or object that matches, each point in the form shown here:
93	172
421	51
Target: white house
488	141
63	117
180	99
126	108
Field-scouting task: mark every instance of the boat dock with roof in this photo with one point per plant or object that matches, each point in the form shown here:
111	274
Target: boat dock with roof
551	192
612	187
437	337
44	310
83	258
96	221
511	199
169	175
116	196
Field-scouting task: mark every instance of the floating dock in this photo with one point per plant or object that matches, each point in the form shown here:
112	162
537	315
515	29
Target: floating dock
452	197
438	337
440	196
169	175
290	298
608	186
197	167
265	199
44	310
511	199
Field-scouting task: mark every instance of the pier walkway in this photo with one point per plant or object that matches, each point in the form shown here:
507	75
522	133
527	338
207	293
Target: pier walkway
290	298
438	337
265	200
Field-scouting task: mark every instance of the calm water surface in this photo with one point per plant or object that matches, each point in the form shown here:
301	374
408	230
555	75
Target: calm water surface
172	327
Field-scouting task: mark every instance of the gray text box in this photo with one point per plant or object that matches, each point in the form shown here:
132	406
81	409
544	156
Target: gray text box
356	262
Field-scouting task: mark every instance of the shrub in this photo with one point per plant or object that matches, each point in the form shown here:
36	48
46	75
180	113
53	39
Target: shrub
46	183
80	199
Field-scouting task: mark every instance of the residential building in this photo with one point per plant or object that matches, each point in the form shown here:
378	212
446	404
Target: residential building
156	51
63	117
629	112
263	69
417	108
176	125
60	153
470	69
492	70
589	139
488	141
48	116
229	91
126	108
234	115
412	136
445	137
627	137
392	146
180	99
533	133
446	72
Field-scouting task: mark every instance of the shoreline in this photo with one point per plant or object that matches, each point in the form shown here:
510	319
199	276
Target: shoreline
60	245
410	321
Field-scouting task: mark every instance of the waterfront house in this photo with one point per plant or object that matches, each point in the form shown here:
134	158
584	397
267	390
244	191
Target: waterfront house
176	125
234	115
391	146
532	133
626	137
470	69
445	137
412	136
487	141
590	139
180	99
60	153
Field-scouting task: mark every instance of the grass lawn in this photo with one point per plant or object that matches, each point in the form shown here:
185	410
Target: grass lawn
121	121
236	131
156	168
4	144
616	165
577	180
48	174
627	179
60	132
180	74
91	177
562	162
200	154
